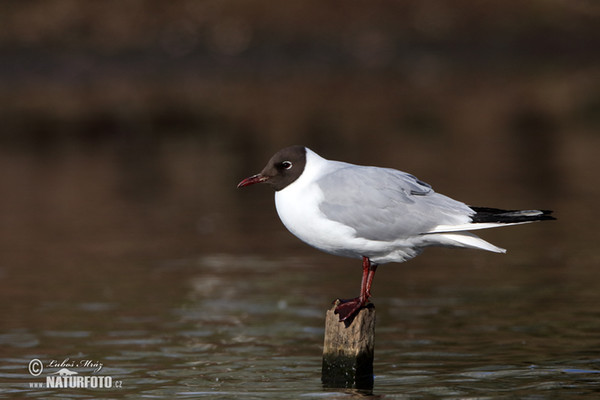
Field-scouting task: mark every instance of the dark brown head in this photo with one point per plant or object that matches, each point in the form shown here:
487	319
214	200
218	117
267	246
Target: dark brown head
281	170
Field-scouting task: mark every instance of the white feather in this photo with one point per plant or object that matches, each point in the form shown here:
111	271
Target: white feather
473	227
462	239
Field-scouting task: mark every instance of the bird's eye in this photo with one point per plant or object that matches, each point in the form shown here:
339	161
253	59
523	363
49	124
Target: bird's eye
286	164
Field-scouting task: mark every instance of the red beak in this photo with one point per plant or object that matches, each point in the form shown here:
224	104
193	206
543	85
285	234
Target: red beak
258	178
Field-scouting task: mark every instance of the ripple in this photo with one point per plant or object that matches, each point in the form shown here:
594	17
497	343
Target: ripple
19	339
67	334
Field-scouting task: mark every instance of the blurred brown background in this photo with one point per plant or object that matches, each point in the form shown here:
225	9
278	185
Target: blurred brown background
126	125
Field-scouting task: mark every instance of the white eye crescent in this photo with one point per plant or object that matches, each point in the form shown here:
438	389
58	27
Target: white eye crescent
286	164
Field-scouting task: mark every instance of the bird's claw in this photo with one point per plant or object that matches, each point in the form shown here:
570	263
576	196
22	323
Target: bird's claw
347	309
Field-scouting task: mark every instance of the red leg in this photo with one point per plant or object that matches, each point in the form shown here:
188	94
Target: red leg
372	269
348	308
365	276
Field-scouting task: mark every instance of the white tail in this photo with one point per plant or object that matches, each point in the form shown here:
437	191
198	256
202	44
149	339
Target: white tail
461	239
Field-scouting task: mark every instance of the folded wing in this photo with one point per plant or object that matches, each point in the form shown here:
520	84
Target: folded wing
387	204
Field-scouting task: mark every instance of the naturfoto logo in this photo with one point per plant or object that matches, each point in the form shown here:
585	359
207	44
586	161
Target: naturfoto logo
67	377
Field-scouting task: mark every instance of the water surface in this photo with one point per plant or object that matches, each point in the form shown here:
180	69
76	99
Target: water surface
223	326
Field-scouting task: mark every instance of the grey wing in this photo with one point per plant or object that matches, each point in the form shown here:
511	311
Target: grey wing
387	204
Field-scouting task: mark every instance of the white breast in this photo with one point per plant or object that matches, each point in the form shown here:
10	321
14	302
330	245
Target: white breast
298	208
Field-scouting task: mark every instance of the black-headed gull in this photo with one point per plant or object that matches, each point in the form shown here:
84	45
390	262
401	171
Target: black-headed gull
378	214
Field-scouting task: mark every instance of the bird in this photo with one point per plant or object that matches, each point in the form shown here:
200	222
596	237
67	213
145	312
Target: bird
379	215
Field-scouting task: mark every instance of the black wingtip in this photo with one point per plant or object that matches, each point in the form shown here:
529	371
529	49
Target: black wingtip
487	214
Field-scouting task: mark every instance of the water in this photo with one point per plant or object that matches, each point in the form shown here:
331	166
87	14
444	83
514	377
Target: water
185	286
223	326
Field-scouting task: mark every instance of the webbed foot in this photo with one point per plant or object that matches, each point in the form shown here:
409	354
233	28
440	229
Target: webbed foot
347	309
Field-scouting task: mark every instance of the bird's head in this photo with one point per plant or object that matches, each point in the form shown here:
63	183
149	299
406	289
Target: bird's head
281	170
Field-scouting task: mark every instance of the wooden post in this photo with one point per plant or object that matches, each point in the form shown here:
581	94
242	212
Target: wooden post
348	350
